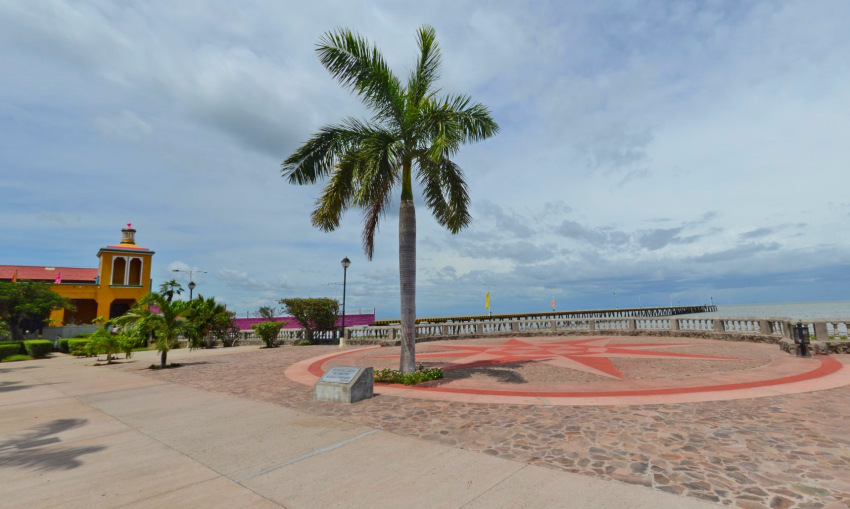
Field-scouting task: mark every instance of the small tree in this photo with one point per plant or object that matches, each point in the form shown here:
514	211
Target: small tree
267	312
28	301
268	332
313	314
226	331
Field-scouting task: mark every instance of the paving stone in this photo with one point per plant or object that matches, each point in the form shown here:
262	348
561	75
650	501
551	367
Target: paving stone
776	451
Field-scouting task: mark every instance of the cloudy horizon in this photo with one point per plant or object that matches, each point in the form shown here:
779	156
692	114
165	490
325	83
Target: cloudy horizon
666	150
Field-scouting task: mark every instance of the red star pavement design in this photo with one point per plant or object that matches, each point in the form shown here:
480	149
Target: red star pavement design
588	355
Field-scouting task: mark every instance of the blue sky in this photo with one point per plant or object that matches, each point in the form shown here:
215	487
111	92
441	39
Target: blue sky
692	149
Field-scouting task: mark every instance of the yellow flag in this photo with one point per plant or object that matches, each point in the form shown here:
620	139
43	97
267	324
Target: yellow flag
487	301
15	277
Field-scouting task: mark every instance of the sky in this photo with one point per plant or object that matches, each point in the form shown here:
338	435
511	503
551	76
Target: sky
650	152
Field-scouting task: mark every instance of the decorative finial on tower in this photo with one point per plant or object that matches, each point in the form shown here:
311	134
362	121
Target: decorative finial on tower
128	235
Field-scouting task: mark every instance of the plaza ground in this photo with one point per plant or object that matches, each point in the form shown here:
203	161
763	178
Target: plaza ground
230	429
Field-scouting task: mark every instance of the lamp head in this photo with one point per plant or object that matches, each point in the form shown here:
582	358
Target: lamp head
345	262
192	285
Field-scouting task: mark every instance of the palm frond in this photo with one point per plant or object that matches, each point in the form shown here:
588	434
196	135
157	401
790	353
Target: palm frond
451	122
337	194
445	192
317	157
359	66
376	179
427	69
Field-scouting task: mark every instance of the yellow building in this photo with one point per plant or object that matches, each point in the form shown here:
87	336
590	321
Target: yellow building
123	275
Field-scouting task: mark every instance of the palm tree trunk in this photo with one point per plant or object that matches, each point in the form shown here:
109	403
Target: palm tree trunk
162	359
407	278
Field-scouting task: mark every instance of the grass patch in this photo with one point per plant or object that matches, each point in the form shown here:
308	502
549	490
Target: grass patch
394	376
303	342
15	358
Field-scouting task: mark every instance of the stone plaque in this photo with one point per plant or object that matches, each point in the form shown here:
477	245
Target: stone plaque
340	375
344	384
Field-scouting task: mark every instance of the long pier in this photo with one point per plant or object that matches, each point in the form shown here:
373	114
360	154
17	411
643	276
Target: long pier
596	313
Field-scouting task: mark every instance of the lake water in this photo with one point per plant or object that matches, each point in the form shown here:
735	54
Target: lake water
793	310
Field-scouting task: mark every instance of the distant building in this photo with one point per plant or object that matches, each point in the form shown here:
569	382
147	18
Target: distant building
120	279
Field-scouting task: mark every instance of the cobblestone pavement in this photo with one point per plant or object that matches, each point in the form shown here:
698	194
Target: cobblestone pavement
786	451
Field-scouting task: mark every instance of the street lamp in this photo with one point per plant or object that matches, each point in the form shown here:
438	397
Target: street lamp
345	263
615	300
191	279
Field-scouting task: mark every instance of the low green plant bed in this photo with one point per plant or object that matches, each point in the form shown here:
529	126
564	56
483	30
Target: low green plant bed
16	357
168	366
82	335
38	348
9	349
394	376
303	342
77	347
63	346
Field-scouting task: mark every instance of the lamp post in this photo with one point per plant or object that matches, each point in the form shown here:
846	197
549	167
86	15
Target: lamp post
191	284
345	263
615	300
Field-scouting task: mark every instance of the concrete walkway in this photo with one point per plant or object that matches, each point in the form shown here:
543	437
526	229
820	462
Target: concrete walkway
75	435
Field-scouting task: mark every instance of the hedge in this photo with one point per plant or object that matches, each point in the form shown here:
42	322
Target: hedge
18	344
63	346
78	346
38	348
8	349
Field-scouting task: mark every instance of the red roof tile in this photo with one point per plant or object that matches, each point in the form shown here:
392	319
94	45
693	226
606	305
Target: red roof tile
69	274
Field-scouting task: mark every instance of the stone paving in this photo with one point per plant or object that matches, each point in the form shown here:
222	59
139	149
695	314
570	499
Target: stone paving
785	451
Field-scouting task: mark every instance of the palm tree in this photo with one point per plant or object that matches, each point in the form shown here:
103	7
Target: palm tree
166	325
413	132
169	288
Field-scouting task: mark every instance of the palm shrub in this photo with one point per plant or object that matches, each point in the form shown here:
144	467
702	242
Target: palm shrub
166	325
204	317
414	133
102	341
268	332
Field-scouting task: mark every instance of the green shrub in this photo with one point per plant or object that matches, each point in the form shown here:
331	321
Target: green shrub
9	349
392	376
19	344
16	357
303	342
78	347
63	346
38	348
268	332
82	335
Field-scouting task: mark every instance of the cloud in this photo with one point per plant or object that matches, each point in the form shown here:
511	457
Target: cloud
600	237
126	126
647	148
736	252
